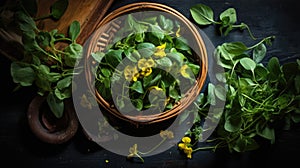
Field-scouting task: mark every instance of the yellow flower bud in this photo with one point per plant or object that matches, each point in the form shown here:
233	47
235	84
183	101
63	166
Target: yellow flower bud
186	140
160	51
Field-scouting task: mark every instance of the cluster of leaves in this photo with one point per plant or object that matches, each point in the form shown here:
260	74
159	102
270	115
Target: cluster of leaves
143	54
204	15
259	98
49	56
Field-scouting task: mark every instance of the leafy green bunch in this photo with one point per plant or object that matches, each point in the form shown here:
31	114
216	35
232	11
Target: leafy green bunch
151	56
259	98
204	15
49	56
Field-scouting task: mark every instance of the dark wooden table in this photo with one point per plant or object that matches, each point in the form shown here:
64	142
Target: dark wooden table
18	146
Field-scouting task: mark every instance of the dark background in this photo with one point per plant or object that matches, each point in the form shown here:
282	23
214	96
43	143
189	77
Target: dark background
18	146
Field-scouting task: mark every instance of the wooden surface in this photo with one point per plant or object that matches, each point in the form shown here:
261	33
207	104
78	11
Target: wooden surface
88	12
269	17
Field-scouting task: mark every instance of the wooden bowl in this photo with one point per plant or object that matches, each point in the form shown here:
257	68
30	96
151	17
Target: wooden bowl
102	37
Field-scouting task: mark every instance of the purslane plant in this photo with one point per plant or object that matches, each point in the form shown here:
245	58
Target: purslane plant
49	56
259	98
203	15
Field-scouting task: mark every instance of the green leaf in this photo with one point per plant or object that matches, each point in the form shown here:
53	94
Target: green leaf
165	62
138	103
114	57
24	75
138	87
195	68
173	93
211	94
223	58
259	53
106	72
233	123
202	14
182	44
139	37
120	103
64	83
25	21
274	68
74	53
221	77
248	64
58	8
149	81
157	32
129	55
245	143
165	23
265	132
260	72
63	94
229	13
56	105
282	101
64	89
43	38
176	56
220	92
146	49
98	56
107	82
235	48
74	30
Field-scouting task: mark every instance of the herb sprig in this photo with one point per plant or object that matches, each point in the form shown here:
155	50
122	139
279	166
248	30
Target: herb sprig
204	15
259	98
49	56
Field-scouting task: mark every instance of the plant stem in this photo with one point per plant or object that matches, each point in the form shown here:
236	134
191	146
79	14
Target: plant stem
245	26
42	17
155	147
204	148
262	41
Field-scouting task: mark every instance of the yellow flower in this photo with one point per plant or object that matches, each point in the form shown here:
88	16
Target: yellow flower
150	62
131	73
186	140
146	66
160	51
156	89
143	63
167	100
182	146
147	72
135	77
186	146
133	151
188	151
177	32
184	71
166	134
